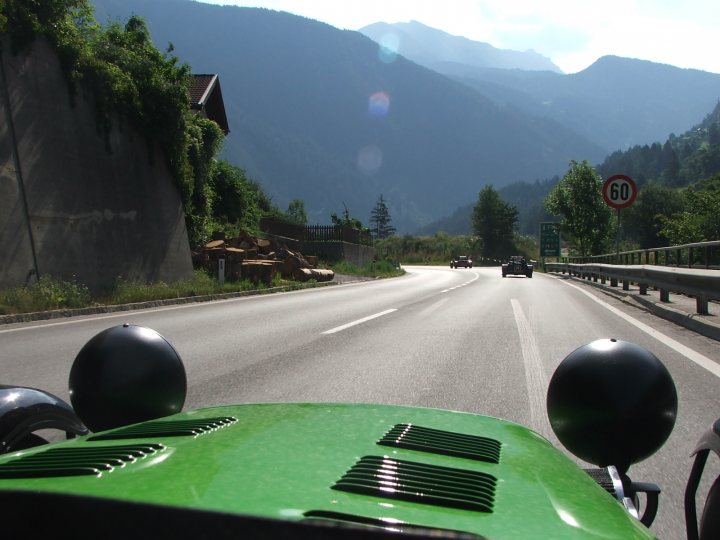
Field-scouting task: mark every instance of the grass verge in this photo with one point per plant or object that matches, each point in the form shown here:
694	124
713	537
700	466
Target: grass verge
50	294
378	269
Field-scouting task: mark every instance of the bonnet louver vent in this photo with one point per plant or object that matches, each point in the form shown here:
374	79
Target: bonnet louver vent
447	443
167	428
89	460
420	482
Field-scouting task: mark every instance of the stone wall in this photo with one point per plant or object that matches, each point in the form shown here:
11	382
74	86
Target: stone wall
96	208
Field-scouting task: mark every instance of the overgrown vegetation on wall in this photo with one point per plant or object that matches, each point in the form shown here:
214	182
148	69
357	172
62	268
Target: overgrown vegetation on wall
131	80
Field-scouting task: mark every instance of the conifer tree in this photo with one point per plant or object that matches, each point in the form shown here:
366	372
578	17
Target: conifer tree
380	220
494	222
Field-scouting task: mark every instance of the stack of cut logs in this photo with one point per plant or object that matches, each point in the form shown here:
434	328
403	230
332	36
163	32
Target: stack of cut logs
258	260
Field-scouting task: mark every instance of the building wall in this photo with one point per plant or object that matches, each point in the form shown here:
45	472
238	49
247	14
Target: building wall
96	210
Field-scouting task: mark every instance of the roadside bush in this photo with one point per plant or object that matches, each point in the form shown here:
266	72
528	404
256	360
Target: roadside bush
384	268
47	294
201	284
51	294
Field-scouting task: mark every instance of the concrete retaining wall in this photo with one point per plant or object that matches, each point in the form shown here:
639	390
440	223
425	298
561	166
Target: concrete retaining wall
96	212
356	254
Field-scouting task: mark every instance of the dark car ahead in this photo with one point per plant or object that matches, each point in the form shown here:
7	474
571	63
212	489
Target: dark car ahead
517	266
463	261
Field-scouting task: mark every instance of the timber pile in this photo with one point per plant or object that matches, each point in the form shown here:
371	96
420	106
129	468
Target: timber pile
258	260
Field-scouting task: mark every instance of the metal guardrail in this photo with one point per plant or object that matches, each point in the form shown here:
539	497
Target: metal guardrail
699	254
703	285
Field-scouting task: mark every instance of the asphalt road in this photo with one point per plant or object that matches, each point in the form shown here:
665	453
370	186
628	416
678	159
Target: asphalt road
463	339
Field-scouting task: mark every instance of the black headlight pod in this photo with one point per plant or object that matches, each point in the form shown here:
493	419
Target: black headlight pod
612	402
124	375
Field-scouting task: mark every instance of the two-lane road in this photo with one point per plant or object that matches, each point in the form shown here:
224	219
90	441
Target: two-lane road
463	339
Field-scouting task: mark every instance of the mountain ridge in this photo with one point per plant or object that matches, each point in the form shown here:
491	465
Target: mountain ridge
615	102
298	98
429	46
316	114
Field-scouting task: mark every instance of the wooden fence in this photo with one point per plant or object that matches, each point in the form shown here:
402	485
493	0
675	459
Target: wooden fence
335	233
316	233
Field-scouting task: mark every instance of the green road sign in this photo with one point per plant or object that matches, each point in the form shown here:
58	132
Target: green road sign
549	239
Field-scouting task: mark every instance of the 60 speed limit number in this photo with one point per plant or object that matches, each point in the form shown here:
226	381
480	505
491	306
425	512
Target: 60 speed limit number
619	191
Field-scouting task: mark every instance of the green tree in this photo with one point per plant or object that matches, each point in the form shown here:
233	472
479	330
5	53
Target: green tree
380	220
585	218
346	220
671	171
494	222
642	221
62	22
235	200
296	213
698	221
439	248
714	133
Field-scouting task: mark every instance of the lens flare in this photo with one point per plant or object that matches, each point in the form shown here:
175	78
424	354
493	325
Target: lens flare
379	104
388	49
369	159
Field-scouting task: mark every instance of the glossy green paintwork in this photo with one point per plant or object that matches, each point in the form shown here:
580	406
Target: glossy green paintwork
280	461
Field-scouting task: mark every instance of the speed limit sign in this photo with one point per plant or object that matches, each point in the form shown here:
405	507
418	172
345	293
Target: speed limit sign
619	191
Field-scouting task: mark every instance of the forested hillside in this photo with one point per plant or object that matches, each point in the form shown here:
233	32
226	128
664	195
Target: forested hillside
678	180
679	161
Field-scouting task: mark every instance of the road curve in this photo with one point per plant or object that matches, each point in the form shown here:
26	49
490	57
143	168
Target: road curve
463	339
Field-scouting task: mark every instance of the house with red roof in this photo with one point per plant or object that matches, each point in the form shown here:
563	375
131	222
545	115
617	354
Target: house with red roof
206	98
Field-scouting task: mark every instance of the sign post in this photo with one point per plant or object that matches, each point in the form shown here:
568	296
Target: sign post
549	239
619	191
221	270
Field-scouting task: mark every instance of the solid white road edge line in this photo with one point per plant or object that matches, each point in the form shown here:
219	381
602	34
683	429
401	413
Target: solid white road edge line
700	359
359	321
535	377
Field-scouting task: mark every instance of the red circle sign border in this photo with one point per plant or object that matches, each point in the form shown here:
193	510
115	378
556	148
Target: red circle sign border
608	183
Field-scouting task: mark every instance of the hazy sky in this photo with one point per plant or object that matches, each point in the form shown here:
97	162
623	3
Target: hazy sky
573	33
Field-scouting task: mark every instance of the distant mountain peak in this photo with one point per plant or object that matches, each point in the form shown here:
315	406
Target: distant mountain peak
431	48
